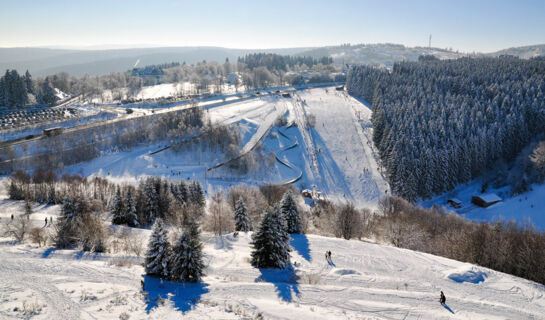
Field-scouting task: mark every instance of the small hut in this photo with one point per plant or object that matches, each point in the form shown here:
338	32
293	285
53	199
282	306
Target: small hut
485	200
455	203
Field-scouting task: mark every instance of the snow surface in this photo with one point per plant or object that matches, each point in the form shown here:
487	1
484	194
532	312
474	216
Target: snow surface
363	281
524	208
347	164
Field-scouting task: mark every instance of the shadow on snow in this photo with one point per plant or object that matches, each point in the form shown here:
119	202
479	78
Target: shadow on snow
284	281
48	252
448	308
184	295
300	243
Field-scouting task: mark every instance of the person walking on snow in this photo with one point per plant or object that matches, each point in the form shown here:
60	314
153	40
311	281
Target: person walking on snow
442	298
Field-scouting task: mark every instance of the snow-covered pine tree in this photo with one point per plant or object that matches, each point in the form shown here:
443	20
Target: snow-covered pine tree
242	222
69	210
116	209
130	210
158	254
271	242
196	194
15	192
187	263
163	199
291	214
67	225
152	205
182	191
48	95
28	82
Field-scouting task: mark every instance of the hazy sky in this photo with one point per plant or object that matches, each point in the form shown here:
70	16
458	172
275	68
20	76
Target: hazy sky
472	25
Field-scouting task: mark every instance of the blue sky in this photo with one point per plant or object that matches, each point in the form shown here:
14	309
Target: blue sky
478	25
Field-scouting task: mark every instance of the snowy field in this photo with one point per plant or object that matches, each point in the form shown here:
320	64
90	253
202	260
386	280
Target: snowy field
527	207
363	281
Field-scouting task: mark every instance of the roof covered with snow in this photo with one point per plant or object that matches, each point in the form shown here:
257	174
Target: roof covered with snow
490	197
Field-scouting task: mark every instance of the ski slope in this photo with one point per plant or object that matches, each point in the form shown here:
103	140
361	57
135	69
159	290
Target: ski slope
342	134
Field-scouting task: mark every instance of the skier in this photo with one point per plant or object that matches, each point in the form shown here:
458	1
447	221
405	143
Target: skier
50	221
442	298
12	216
45	225
326	256
329	255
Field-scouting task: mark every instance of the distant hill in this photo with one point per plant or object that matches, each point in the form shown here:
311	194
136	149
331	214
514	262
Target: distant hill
46	61
383	54
525	52
43	61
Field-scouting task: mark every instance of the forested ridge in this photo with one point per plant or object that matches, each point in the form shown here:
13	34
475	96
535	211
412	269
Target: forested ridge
438	123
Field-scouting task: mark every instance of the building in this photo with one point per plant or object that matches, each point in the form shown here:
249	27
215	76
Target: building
455	203
147	72
485	200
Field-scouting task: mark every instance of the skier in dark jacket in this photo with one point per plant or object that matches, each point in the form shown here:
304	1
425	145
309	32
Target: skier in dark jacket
442	299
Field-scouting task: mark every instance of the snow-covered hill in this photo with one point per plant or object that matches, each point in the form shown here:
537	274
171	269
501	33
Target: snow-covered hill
363	281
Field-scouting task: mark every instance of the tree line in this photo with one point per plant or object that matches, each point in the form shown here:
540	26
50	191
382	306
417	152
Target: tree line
273	61
17	91
438	123
273	213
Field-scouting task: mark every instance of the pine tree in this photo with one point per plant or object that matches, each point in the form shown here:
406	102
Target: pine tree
242	222
152	205
290	213
182	192
116	209
130	210
15	192
3	92
196	194
28	82
48	94
67	225
163	199
271	242
158	254
187	263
